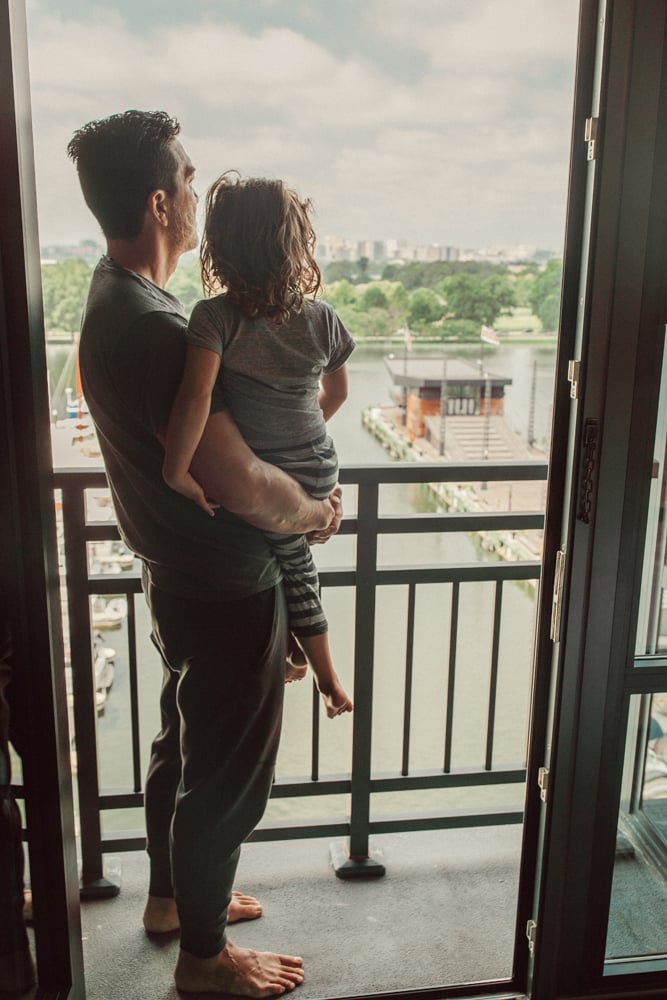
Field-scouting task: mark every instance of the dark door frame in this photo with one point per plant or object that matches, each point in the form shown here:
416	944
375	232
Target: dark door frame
623	293
623	309
30	579
547	679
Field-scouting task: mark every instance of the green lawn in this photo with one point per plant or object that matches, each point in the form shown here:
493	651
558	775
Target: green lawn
520	320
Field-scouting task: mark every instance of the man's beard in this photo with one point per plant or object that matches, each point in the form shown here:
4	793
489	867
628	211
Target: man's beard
185	233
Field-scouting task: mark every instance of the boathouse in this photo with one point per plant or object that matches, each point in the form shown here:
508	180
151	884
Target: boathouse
419	384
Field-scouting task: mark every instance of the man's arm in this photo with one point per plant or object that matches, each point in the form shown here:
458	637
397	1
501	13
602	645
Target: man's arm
259	493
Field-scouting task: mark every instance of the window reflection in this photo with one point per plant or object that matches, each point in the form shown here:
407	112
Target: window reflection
654	786
637	926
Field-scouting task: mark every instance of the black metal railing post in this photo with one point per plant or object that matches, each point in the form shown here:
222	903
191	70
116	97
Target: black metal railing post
493	685
407	697
93	881
359	862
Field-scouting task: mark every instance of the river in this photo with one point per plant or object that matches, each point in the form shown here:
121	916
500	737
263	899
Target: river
526	365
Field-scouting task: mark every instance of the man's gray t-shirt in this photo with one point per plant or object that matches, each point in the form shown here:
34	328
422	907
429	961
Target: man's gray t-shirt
131	356
270	375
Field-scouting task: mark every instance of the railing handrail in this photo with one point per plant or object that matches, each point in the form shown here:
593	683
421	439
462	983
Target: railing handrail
391	473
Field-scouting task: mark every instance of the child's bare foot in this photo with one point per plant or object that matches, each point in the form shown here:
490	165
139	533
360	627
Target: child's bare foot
335	698
296	665
239	971
294	672
161	915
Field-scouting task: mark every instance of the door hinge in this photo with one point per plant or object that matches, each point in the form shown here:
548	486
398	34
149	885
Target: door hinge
531	934
543	782
557	600
573	369
591	137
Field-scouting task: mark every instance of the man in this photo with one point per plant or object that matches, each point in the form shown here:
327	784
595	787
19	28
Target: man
211	583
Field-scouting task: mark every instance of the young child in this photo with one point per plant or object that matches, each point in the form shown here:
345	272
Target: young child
278	356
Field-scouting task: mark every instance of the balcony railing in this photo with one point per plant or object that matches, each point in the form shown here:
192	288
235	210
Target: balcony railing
364	575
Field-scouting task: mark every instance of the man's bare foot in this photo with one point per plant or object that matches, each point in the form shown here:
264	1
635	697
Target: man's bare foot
243	908
335	698
239	971
161	915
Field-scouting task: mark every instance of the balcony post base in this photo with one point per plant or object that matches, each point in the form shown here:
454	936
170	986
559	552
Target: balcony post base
105	887
345	867
99	888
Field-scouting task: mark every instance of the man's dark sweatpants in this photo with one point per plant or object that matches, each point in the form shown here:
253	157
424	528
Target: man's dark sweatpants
212	763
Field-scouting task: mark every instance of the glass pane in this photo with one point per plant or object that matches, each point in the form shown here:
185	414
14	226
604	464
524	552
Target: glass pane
638	914
652	627
654	778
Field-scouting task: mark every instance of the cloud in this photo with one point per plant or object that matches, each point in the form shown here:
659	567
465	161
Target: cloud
464	34
471	146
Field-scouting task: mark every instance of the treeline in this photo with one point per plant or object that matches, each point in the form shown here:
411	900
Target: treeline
443	299
416	274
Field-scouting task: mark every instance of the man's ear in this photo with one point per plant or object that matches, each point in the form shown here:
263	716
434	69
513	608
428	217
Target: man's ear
158	207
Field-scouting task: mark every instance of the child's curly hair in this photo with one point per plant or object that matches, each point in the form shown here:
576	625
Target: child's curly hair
258	247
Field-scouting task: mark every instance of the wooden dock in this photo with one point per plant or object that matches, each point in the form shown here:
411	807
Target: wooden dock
471	439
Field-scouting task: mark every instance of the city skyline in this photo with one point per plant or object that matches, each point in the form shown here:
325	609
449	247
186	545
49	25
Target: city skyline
448	128
338	248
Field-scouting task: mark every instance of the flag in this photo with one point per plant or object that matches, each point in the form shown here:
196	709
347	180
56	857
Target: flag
407	338
489	336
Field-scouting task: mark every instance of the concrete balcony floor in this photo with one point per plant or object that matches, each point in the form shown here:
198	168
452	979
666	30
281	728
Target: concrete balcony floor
443	914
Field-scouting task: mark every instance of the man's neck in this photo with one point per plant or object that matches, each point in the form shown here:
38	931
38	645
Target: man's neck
153	261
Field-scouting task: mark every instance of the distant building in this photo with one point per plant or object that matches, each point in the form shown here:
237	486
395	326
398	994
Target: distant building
372	249
430	253
418	385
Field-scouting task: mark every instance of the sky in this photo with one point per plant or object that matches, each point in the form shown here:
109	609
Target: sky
433	121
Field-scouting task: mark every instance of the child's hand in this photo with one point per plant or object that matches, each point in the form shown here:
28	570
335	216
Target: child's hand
190	488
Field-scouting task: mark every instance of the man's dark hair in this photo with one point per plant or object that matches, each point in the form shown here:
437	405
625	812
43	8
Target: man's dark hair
120	160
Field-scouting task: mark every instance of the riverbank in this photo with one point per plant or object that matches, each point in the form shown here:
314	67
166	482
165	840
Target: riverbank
519	338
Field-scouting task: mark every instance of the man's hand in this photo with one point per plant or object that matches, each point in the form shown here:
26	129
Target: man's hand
336	501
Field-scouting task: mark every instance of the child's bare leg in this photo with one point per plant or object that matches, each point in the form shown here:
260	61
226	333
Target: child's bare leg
316	648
